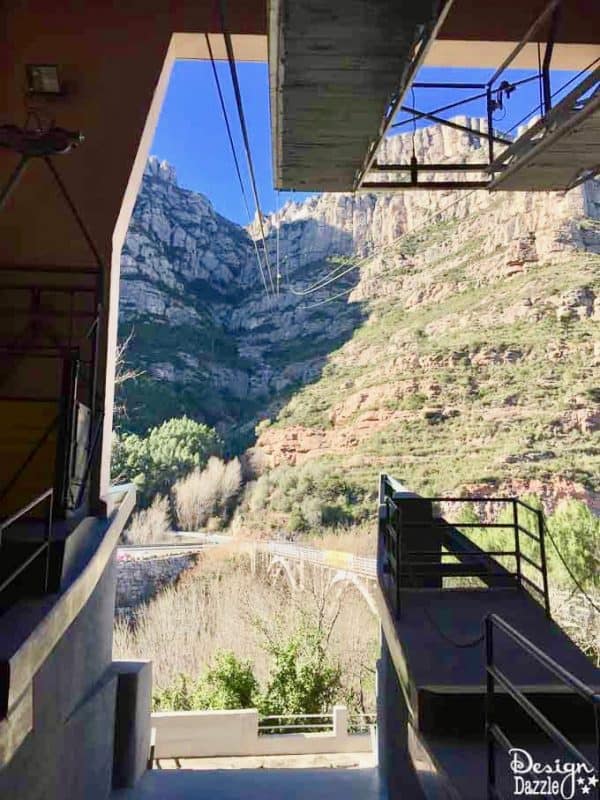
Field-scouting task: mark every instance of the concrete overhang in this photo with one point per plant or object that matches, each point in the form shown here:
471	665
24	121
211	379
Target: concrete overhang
334	68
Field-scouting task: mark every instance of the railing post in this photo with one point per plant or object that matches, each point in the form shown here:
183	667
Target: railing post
340	722
489	709
541	531
397	573
517	540
597	732
48	540
490	124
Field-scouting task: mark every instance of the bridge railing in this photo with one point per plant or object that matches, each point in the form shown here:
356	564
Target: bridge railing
334	559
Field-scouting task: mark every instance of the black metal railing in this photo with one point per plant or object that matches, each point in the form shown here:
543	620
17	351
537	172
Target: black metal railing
447	552
497	678
42	550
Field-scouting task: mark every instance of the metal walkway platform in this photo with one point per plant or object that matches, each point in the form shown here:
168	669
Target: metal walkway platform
559	151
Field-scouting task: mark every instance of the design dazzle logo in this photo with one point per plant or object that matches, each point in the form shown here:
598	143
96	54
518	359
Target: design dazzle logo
564	779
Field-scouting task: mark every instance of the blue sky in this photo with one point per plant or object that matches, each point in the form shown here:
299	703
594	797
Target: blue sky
191	134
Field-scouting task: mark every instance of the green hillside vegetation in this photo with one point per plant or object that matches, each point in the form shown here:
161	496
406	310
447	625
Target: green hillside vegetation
485	398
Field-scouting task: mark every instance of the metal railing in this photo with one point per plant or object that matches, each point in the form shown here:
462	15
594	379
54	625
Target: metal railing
454	554
495	735
295	723
331	559
357	723
42	549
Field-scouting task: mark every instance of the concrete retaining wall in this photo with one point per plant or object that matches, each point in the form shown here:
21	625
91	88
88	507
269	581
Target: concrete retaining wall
139	579
198	734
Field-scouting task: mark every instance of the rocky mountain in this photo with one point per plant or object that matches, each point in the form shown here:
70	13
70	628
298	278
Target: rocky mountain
459	345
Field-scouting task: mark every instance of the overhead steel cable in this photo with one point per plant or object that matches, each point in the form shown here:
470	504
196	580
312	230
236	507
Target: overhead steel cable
235	158
380	251
242	118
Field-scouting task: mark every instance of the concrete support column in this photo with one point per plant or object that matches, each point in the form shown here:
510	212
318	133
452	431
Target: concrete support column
132	721
396	770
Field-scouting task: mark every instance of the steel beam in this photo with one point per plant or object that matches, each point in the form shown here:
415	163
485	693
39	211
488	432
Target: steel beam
400	185
421	49
449	124
429	167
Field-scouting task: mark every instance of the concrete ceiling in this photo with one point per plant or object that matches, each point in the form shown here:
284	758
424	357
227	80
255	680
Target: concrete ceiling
334	67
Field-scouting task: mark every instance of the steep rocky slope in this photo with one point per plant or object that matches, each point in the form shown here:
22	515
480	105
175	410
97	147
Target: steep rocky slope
462	348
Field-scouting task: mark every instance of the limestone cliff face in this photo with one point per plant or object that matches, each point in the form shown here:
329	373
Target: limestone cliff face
214	345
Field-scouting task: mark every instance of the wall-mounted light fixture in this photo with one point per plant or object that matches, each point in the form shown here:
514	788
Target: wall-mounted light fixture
43	79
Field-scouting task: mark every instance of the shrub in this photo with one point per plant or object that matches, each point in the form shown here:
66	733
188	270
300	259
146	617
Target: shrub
303	679
576	531
150	525
229	683
168	452
204	495
311	496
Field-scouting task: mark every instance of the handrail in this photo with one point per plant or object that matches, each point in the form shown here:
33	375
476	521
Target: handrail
48	495
22	511
581	688
400	567
280	723
494	675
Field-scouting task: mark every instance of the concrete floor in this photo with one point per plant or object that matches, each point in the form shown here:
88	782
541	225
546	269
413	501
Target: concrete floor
255	784
314	761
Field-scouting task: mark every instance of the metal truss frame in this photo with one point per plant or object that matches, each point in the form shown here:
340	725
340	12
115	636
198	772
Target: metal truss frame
494	91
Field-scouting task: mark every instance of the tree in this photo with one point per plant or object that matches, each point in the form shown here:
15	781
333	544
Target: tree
168	452
303	680
207	496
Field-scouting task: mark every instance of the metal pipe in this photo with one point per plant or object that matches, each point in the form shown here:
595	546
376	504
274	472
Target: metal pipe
426	85
541	529
386	187
422	47
449	124
490	124
78	218
546	87
489	707
428	167
525	40
13	180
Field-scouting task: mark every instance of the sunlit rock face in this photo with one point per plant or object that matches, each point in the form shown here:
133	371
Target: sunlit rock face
212	343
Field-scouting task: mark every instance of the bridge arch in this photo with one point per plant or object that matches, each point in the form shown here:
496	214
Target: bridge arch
350	578
283	567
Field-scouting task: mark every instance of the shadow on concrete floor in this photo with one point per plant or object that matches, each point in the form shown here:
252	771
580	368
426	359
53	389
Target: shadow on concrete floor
255	784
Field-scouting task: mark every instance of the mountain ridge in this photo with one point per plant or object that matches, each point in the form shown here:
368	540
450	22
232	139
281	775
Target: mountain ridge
476	283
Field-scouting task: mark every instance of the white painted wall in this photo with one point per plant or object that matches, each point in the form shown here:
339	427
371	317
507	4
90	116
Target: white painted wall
198	734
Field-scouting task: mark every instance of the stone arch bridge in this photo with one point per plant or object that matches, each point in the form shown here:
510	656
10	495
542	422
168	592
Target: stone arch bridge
291	560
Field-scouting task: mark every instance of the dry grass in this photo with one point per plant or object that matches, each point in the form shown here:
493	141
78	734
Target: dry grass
360	540
220	605
151	525
207	494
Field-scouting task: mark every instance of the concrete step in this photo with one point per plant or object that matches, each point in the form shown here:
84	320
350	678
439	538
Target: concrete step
459	764
460	711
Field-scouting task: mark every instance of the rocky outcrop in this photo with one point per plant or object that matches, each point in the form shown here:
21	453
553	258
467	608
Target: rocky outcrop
212	344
